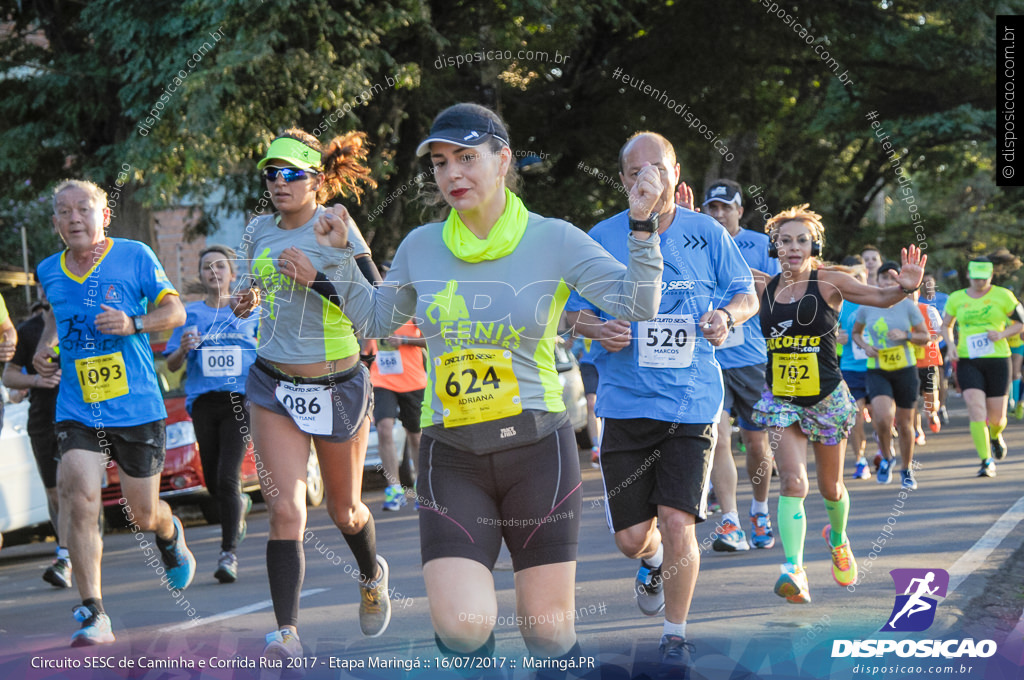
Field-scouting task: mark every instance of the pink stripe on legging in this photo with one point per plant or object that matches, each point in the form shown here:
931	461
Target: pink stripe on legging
552	512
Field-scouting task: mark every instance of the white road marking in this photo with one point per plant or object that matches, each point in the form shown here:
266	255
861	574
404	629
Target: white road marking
248	609
989	541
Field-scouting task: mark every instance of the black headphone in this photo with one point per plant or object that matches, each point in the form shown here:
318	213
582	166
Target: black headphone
773	249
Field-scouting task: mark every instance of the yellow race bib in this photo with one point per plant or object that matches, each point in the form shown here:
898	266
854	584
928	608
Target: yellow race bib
892	359
476	385
795	375
102	378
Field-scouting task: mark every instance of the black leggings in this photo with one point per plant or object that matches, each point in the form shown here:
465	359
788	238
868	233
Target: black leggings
218	423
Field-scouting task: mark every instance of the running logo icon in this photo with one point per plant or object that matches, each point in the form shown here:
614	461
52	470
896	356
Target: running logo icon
112	294
917	591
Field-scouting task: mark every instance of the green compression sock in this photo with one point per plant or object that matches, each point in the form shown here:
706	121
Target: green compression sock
792	528
979	433
996	429
838	511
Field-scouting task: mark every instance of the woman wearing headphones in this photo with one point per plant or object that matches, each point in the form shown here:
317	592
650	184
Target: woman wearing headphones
805	397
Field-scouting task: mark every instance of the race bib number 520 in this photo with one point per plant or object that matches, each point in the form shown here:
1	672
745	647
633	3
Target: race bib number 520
476	385
667	341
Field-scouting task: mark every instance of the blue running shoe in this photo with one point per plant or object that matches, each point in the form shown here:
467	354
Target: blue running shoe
729	538
885	471
650	594
394	498
863	470
95	628
761	535
180	563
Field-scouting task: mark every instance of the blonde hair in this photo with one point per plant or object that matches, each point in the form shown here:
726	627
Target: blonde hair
97	196
798	213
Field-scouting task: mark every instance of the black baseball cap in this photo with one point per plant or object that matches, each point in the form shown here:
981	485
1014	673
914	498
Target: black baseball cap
723	193
464	125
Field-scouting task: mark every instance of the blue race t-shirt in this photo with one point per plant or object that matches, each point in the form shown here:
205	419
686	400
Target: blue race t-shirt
939	303
745	345
853	357
106	380
669	371
222	360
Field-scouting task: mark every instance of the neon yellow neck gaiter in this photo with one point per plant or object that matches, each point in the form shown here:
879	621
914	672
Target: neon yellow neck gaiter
502	240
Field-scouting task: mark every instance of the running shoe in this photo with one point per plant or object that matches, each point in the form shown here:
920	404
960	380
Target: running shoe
944	415
999	448
282	645
863	470
713	504
676	657
58	574
1018	411
867	415
243	526
844	567
227	568
907	480
885	471
394	498
595	457
374	603
987	469
761	535
919	439
180	563
878	460
729	538
650	594
934	422
95	628
792	585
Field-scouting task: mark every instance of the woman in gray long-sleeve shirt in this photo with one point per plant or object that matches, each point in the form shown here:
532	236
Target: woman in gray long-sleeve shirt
498	459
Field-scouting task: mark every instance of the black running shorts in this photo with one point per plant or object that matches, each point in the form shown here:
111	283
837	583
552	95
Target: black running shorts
529	495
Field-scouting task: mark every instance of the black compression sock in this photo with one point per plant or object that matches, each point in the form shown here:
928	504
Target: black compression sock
95	604
484	650
286	566
364	548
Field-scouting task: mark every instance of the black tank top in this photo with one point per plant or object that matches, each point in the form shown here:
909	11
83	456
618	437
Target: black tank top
801	338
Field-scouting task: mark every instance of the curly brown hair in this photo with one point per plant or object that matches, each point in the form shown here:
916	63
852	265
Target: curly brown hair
342	163
798	213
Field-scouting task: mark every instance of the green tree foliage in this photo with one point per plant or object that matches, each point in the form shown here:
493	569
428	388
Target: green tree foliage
78	104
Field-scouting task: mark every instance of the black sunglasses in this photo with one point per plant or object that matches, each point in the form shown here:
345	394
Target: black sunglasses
271	172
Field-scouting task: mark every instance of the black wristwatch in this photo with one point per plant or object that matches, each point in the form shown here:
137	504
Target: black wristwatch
730	322
649	225
137	321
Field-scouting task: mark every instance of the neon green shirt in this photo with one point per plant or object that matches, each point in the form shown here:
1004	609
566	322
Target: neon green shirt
978	316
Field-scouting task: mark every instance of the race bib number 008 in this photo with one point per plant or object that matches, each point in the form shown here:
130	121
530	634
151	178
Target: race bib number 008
102	378
221	362
667	341
795	375
476	385
308	405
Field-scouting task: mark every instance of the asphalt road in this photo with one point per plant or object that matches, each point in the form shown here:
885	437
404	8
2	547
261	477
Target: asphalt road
967	526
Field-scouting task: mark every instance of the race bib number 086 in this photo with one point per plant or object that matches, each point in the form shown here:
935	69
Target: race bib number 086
667	341
476	385
308	405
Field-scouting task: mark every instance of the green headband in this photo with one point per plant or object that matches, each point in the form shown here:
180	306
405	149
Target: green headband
979	270
291	151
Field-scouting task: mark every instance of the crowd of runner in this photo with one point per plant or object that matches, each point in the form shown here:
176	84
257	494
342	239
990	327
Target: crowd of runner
688	324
